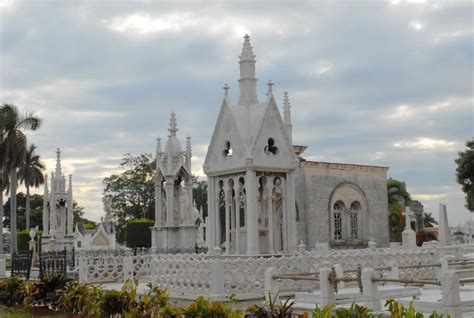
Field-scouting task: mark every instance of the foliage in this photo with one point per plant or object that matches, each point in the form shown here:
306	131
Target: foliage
203	307
9	290
465	173
325	312
23	237
137	233
132	192
82	298
397	310
272	309
398	198
36	215
115	302
30	173
429	220
13	151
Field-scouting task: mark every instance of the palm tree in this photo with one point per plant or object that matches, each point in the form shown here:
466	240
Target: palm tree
13	151
31	175
429	220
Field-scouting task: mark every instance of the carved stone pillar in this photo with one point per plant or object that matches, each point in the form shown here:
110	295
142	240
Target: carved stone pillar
251	211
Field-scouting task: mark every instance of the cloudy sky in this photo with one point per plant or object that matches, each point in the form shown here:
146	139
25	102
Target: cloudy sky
370	82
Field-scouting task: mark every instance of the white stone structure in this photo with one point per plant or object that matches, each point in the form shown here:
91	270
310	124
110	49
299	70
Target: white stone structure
263	197
408	235
443	236
250	165
175	226
102	237
57	211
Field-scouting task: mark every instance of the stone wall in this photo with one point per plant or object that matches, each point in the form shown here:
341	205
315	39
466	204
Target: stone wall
320	184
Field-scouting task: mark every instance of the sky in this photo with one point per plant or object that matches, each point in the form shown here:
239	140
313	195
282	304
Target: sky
385	83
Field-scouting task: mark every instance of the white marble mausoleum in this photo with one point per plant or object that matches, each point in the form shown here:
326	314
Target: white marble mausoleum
265	198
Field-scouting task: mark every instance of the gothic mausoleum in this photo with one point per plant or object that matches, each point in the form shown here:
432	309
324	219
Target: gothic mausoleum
265	198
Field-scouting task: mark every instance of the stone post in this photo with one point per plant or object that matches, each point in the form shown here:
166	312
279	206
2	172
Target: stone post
451	297
339	274
328	296
211	216
83	278
370	289
217	279
394	272
271	285
127	267
443	236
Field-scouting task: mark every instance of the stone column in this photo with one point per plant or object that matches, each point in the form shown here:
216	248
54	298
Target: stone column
211	215
158	204
237	221
271	249
252	216
284	207
328	296
451	296
169	202
370	289
227	216
292	230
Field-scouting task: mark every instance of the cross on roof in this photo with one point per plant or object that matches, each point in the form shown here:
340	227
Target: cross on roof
226	89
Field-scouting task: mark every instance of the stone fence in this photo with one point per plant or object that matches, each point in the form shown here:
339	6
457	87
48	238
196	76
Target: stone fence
188	275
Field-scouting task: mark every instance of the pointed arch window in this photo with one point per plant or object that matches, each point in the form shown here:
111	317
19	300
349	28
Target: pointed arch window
354	217
337	219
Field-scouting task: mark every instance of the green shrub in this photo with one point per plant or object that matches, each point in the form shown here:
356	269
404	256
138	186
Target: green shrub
138	233
23	237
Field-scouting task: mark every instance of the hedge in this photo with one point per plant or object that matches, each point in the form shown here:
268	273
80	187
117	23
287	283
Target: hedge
138	233
23	237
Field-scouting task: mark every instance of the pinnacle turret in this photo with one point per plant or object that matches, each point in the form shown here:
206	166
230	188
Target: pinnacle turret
287	116
247	81
173	125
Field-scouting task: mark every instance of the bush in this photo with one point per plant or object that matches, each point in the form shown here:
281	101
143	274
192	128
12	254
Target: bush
138	233
23	237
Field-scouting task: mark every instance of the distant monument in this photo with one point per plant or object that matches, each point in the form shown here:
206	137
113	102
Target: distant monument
100	238
57	211
175	228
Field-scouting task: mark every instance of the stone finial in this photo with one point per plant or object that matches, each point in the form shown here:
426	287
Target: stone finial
70	181
270	89
173	125
188	145
46	185
158	148
226	89
247	51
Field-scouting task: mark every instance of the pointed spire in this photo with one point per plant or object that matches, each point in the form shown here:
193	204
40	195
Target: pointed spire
158	148
70	182
188	153
247	81
58	163
173	125
270	89
247	50
287	117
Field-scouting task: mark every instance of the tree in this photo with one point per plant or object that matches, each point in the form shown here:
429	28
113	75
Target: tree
31	175
429	220
465	173
398	198
132	192
13	152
